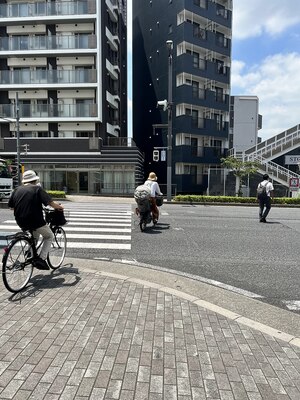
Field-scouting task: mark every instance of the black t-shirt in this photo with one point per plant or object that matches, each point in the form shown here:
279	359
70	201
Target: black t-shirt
27	203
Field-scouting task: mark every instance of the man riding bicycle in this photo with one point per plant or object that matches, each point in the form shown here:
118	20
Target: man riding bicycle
27	202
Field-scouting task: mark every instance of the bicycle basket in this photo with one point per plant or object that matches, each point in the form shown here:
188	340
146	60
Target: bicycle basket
159	201
56	218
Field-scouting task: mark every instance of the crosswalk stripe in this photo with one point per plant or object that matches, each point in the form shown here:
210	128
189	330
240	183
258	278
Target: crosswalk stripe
103	215
91	227
98	223
100	219
99	237
83	245
75	229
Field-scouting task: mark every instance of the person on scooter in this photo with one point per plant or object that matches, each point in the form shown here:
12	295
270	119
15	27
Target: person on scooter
151	182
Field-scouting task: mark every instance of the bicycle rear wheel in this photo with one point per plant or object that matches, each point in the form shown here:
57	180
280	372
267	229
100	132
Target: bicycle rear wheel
16	264
58	249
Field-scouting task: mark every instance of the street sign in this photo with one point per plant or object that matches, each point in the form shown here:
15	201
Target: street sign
163	155
294	183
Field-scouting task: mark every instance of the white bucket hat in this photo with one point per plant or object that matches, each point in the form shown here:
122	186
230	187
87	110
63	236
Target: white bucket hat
30	176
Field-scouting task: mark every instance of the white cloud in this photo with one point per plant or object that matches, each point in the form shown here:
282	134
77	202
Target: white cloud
254	17
276	82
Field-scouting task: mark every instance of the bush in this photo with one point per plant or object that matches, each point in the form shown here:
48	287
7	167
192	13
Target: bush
57	194
193	198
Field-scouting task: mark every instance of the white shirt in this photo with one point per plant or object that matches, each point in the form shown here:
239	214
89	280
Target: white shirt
153	185
269	186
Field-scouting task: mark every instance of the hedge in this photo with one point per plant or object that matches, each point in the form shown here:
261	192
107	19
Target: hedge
57	194
193	198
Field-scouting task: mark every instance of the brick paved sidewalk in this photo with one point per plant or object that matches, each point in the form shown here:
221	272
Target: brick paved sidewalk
86	335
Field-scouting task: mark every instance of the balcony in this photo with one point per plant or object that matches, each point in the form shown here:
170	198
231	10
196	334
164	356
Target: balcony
210	10
199	154
113	100
113	40
202	97
113	70
45	9
205	68
53	145
112	8
201	126
38	43
36	111
214	41
113	128
41	76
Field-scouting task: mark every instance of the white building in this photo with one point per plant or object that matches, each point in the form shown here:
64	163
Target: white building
245	121
66	61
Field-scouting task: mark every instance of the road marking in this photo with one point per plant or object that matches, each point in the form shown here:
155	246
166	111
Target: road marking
85	245
104	227
76	229
293	305
98	237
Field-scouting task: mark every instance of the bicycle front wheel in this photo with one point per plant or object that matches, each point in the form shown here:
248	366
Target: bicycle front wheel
58	249
16	264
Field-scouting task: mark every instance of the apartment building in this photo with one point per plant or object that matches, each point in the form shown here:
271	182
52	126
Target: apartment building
200	31
63	93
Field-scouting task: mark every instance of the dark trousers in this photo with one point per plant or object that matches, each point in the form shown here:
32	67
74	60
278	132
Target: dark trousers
264	207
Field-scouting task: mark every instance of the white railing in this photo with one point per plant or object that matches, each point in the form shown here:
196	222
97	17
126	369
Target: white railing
275	170
271	148
278	144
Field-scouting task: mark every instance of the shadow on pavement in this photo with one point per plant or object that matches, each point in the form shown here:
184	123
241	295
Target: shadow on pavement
155	229
40	282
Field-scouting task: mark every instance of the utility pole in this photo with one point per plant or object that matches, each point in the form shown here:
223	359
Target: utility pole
169	44
17	117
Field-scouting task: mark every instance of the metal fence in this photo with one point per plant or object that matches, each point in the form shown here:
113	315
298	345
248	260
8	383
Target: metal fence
222	182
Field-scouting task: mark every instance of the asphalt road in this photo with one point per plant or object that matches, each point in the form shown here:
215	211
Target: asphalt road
224	245
230	246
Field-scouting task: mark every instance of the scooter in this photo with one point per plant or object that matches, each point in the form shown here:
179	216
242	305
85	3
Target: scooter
143	211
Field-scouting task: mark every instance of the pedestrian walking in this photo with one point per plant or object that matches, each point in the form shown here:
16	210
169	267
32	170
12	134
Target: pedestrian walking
265	192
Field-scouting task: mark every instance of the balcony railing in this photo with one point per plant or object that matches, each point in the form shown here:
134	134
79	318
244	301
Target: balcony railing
26	77
49	110
40	42
40	8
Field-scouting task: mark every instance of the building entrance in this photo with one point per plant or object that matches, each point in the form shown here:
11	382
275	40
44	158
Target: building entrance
83	181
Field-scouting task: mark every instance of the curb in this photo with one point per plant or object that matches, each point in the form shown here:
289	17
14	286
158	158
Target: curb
250	323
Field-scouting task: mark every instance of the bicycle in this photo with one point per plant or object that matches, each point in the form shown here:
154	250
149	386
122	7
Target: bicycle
22	250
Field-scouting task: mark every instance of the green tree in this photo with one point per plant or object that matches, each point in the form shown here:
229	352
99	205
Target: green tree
240	169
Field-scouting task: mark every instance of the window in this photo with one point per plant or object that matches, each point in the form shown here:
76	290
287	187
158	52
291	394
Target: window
186	169
40	8
219	95
41	74
201	3
42	108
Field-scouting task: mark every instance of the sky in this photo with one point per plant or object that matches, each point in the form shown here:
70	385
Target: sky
265	60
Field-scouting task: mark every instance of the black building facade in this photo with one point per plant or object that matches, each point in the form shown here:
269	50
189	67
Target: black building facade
201	58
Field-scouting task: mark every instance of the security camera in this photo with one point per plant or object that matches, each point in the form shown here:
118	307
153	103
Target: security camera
169	44
163	104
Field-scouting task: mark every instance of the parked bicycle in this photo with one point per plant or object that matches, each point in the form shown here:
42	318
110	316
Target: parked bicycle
19	256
